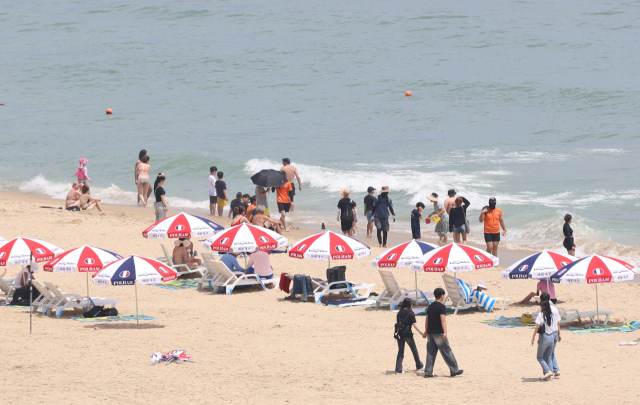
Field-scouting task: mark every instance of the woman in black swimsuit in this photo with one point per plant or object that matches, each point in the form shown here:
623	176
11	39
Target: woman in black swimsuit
568	243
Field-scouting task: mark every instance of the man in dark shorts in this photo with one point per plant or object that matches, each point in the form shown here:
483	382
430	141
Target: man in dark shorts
346	212
436	334
284	204
369	206
416	216
291	172
492	218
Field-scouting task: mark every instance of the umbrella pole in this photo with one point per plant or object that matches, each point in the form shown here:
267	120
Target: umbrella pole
416	274
137	321
88	298
597	306
30	293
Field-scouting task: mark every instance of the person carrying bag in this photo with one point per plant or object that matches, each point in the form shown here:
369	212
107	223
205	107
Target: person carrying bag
403	334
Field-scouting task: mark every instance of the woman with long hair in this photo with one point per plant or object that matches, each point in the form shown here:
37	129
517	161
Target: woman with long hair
548	318
568	242
239	213
408	319
142	172
442	226
161	206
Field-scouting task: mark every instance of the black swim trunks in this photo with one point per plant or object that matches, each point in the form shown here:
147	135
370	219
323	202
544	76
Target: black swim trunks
492	237
284	207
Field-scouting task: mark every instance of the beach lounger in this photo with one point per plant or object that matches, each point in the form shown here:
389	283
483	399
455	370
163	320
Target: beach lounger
458	301
570	315
45	300
7	291
64	301
230	280
181	269
325	288
394	294
212	272
455	295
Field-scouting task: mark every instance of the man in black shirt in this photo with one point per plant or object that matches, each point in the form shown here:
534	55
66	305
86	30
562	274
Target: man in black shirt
369	202
436	334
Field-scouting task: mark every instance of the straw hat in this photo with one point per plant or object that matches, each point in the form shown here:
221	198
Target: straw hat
432	198
344	192
186	242
385	189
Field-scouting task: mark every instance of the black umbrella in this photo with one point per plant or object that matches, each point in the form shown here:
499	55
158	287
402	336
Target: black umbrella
269	178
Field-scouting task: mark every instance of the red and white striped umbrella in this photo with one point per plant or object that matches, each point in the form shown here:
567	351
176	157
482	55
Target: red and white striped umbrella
595	269
83	259
455	257
245	238
18	251
329	245
403	255
182	226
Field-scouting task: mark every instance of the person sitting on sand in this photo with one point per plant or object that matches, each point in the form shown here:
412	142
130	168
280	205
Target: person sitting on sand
235	203
231	261
87	202
251	207
74	195
260	265
182	256
259	219
239	213
540	289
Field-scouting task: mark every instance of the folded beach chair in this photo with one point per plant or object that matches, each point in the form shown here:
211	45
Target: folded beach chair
64	301
570	315
481	299
394	294
45	300
7	291
230	280
213	270
181	269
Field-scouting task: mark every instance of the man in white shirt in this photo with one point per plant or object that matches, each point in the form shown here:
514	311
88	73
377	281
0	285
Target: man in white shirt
212	190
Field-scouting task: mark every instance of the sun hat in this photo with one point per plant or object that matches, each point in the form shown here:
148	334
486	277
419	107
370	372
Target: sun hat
433	197
480	285
184	241
385	189
83	161
344	192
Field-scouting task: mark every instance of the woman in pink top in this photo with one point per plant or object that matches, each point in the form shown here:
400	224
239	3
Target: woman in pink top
260	265
542	288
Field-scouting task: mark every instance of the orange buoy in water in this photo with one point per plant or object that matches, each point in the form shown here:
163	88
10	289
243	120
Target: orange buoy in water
109	111
408	94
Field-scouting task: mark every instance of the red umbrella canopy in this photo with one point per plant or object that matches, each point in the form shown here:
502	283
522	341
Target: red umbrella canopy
18	251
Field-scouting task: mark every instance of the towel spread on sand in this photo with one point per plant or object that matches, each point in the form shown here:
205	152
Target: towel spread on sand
354	302
630	326
178	285
483	299
504	322
120	317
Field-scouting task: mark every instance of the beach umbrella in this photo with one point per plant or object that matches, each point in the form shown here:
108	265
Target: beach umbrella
245	238
182	226
134	270
85	259
269	178
595	269
329	245
539	265
455	257
404	255
26	251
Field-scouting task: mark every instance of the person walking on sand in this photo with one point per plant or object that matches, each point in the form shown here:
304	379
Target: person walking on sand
83	172
161	206
492	218
437	337
290	172
221	191
407	319
416	216
568	242
369	204
213	196
548	318
346	212
143	179
383	205
442	226
284	204
458	219
450	201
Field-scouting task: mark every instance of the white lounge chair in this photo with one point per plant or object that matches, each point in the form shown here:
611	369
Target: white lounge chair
230	280
45	300
325	288
64	301
7	291
394	294
458	301
212	272
181	269
570	315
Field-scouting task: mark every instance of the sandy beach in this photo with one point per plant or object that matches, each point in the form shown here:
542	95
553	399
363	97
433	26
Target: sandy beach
254	347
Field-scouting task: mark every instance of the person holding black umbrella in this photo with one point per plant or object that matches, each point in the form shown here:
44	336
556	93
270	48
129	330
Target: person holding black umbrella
264	180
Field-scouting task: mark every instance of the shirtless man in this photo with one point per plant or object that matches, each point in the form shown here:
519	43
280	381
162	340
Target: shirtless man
74	194
87	201
291	171
260	220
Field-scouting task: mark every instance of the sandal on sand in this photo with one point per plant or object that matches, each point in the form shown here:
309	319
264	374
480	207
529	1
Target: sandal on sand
546	376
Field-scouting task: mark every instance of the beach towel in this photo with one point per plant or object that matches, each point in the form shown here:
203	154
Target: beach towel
354	302
504	322
120	317
483	299
630	326
178	285
285	282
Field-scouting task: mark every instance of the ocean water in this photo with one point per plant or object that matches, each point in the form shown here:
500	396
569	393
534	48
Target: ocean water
533	102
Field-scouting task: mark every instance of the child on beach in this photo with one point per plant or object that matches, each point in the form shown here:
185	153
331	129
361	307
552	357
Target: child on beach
83	172
416	216
221	191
